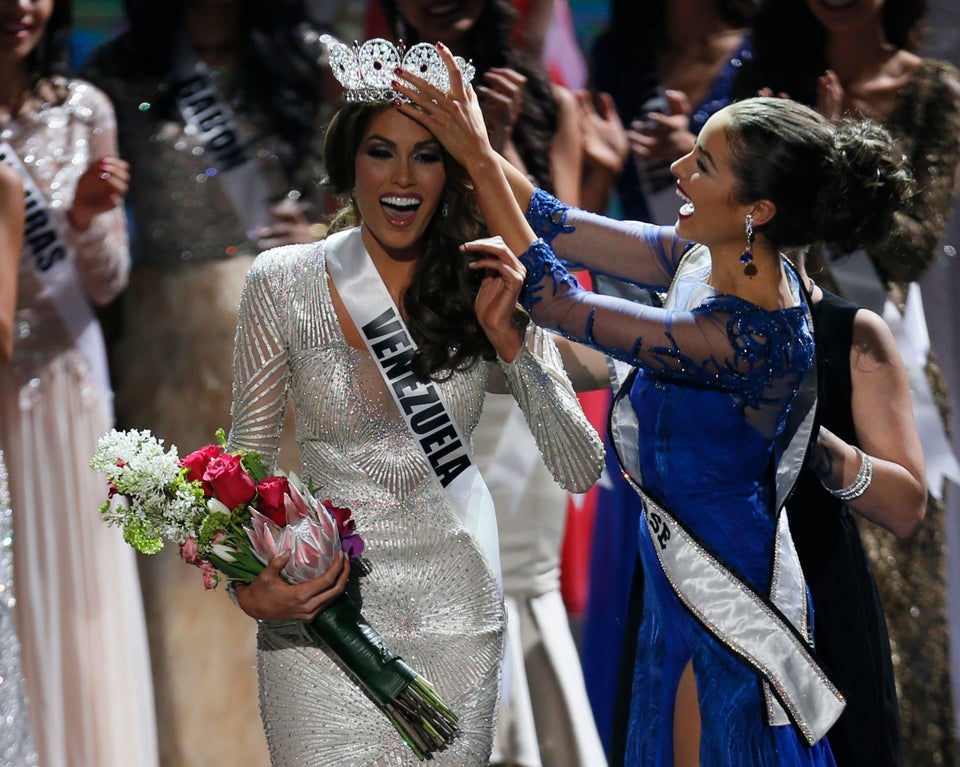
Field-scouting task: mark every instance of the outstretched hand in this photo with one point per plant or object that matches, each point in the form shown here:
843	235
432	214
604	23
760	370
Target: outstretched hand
270	597
454	117
501	99
605	143
496	301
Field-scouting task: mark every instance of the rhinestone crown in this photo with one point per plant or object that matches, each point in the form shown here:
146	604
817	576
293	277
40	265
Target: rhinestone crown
366	71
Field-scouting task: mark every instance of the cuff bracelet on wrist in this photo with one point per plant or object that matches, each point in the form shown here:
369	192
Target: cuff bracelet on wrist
860	483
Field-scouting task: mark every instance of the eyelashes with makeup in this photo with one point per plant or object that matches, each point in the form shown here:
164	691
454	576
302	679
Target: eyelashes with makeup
425	158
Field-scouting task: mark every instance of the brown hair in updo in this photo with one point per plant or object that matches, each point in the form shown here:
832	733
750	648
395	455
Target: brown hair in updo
840	185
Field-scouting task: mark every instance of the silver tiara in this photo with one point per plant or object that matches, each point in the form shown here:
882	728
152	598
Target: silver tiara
366	71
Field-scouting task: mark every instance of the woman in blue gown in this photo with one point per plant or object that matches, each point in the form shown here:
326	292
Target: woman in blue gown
716	408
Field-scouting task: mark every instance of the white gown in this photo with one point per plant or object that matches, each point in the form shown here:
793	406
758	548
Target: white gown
79	610
545	720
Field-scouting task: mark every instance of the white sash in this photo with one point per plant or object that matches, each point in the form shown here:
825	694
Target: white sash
771	633
420	403
858	281
209	117
54	264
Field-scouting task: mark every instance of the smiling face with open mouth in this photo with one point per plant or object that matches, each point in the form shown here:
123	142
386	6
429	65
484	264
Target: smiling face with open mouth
709	212
399	183
21	26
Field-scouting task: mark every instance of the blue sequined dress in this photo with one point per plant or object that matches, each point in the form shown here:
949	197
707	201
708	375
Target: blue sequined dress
713	389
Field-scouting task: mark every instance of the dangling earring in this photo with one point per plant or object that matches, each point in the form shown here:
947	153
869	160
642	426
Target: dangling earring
445	207
749	268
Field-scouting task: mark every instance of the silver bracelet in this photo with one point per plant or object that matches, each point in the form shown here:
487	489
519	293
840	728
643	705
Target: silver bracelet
860	483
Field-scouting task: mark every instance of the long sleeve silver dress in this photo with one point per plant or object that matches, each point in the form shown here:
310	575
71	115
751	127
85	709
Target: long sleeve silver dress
429	591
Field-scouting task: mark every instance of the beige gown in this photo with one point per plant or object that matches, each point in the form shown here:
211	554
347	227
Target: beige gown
79	610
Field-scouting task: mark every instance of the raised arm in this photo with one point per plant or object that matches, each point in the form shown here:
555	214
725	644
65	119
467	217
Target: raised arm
630	251
98	225
570	446
759	357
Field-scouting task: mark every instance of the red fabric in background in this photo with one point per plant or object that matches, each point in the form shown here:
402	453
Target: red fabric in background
581	510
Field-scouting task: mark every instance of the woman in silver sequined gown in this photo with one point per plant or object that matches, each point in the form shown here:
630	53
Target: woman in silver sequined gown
429	590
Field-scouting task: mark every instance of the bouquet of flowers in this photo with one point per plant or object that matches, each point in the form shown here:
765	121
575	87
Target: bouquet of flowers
229	518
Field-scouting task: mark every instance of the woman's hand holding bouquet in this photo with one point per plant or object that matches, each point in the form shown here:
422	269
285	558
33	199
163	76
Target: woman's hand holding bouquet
287	554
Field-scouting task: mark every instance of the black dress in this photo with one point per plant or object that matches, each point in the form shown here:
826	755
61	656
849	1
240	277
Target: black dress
850	631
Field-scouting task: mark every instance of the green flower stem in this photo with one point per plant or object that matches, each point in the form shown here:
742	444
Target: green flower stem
423	720
244	569
344	630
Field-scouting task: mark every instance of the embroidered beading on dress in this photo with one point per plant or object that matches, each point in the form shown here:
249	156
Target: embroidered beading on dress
429	591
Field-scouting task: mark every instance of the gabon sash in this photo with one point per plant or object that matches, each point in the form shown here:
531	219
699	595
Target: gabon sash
209	117
54	264
420	403
770	632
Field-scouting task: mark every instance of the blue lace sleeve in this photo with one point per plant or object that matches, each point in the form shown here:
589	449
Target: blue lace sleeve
725	343
629	251
547	215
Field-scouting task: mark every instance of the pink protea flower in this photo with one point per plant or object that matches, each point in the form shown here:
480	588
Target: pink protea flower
310	534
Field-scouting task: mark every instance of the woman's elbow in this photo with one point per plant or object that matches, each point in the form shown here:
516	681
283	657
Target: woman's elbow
914	511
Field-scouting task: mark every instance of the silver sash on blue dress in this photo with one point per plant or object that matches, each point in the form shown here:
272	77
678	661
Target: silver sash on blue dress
421	403
771	631
54	264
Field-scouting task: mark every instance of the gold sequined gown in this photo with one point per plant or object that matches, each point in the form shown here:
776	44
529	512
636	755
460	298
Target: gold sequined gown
429	591
172	355
79	610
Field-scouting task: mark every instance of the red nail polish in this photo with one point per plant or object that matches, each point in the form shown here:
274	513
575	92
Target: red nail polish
396	102
398	71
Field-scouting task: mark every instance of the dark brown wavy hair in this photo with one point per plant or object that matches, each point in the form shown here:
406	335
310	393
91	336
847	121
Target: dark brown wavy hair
439	303
840	184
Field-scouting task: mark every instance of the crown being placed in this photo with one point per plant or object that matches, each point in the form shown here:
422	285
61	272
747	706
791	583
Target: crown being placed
366	71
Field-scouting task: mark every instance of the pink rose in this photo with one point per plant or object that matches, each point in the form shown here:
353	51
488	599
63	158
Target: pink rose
210	576
189	550
198	460
345	525
270	503
228	481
